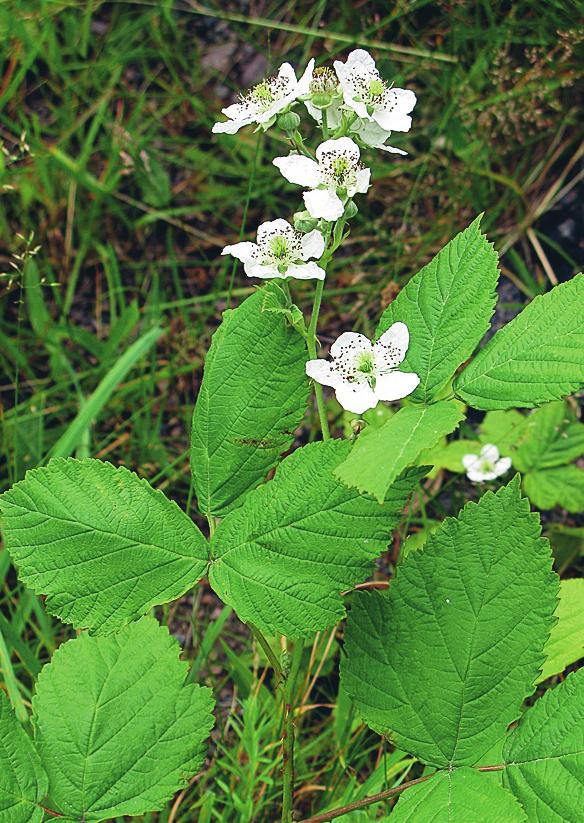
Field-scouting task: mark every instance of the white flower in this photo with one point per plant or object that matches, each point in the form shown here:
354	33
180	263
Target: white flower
336	166
281	251
266	100
487	465
362	373
372	99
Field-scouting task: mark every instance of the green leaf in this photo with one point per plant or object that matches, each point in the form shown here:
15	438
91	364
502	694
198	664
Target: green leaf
459	796
376	460
449	455
253	396
545	755
117	730
444	658
566	642
552	437
563	486
447	308
284	557
504	429
23	782
537	357
101	543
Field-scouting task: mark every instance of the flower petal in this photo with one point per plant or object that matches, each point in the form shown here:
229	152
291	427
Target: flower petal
324	373
503	465
392	120
305	271
230	126
350	343
391	347
490	453
479	476
356	397
303	86
263	272
275	227
312	244
392	150
341	145
360	57
242	251
298	169
470	460
363	182
395	385
286	72
323	203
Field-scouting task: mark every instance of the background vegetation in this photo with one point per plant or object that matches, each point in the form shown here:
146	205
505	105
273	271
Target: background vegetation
116	201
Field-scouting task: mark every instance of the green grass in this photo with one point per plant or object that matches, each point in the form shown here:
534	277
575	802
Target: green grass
130	197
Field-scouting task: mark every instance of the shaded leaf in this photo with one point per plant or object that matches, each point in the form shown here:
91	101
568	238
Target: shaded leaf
563	486
23	782
566	642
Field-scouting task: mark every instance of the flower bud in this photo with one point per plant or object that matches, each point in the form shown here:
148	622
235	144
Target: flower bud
350	209
304	222
289	121
321	100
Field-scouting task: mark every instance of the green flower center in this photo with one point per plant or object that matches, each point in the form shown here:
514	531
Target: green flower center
365	363
279	247
376	88
262	93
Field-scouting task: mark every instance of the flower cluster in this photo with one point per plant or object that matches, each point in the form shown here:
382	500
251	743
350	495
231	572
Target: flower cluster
355	109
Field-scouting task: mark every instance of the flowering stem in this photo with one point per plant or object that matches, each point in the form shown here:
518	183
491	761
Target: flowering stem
311	344
288	738
325	131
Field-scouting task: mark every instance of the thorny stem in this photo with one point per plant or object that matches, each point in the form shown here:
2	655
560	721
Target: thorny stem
289	731
325	817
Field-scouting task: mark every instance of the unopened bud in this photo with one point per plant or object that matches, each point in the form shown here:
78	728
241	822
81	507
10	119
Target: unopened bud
351	209
289	121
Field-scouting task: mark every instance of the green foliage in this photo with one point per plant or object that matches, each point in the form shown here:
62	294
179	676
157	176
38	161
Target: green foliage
458	796
563	486
117	729
566	641
252	398
284	557
101	543
544	755
23	782
443	660
551	436
447	307
537	357
377	459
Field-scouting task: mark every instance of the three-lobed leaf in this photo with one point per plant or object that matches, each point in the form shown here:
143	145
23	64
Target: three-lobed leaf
100	542
544	755
117	729
536	358
284	557
447	308
377	459
562	486
459	796
23	782
252	398
444	658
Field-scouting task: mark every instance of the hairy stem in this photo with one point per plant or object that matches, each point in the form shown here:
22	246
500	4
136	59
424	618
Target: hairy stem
325	817
289	734
311	344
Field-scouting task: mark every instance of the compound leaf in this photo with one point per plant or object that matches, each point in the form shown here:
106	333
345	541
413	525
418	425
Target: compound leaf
458	796
377	459
100	542
117	729
252	398
566	642
537	357
23	782
447	307
444	658
284	557
544	755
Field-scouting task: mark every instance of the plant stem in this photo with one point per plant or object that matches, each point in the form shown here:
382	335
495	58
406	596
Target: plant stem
325	131
268	652
288	738
325	817
311	344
